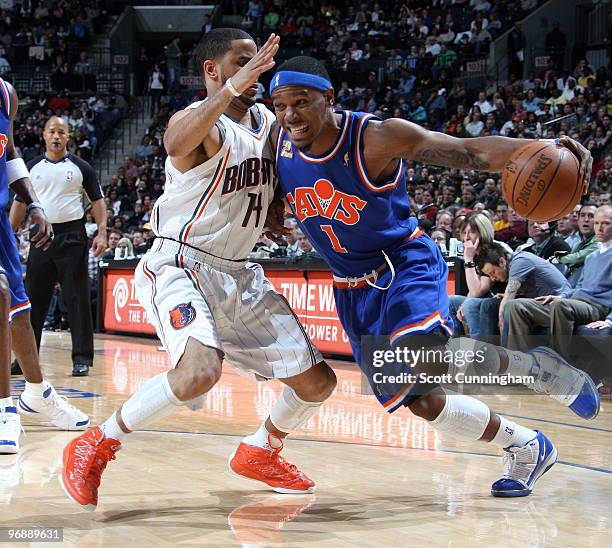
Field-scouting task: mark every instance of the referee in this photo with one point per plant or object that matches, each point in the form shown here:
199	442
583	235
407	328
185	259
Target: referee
59	179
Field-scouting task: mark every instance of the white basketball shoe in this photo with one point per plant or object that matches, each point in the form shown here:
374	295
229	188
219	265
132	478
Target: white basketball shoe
54	408
10	430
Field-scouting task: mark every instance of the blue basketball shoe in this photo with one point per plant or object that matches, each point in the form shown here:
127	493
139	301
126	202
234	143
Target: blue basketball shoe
565	383
523	466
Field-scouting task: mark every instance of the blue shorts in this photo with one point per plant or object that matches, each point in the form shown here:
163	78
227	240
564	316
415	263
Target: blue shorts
10	266
416	304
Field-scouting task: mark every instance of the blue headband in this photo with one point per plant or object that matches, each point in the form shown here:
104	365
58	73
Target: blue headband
292	78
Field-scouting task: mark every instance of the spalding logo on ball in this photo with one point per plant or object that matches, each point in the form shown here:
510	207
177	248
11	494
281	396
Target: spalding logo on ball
541	181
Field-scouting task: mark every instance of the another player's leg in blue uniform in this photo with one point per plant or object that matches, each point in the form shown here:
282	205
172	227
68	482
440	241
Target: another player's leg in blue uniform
414	311
39	400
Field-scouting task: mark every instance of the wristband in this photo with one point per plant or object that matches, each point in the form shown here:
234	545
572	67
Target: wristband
16	169
34	205
232	89
469	264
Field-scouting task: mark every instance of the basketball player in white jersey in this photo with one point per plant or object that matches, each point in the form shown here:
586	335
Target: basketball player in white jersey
206	301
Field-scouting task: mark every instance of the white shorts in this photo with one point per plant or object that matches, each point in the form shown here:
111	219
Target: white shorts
223	304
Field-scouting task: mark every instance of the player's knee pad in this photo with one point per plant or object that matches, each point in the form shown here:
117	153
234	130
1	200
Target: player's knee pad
463	416
290	411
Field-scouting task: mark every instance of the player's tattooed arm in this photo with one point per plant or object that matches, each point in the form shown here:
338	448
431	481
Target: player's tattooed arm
464	159
395	138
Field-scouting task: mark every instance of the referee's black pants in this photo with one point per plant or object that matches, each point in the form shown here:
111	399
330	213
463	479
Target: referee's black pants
64	262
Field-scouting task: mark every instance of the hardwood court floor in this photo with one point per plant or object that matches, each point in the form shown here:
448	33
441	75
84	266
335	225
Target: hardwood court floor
381	480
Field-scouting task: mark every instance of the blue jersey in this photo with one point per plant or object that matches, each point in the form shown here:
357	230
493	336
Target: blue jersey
347	217
5	122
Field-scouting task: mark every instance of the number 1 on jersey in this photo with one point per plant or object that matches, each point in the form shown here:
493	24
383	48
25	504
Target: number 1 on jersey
335	242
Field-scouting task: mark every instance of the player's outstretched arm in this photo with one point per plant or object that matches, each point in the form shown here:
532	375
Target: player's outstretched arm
189	128
19	181
400	138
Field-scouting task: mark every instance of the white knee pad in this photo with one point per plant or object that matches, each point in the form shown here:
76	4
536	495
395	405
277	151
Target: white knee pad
153	401
462	416
290	412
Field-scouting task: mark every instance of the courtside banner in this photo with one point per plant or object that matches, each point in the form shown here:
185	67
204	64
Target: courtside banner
309	293
122	312
311	297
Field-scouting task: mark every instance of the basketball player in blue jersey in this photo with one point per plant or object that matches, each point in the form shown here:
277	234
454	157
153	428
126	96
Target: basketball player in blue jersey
343	176
39	398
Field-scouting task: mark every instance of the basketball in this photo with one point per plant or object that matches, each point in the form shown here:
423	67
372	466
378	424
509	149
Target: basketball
541	182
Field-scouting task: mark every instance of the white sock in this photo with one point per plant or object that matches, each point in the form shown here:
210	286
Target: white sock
520	364
112	429
262	439
35	388
153	401
6	402
510	433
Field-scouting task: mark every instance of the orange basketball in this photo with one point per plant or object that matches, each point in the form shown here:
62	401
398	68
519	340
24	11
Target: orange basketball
540	181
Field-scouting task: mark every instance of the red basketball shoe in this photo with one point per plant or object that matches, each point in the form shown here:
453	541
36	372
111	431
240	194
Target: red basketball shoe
84	460
267	466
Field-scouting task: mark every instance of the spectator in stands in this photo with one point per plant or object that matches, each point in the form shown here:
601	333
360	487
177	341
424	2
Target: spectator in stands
516	231
590	303
206	24
441	238
516	50
543	241
478	311
567	228
113	240
588	243
156	88
124	249
490	194
173	64
526	275
140	245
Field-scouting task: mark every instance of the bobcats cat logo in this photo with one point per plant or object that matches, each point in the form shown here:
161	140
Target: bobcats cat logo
3	142
182	315
322	199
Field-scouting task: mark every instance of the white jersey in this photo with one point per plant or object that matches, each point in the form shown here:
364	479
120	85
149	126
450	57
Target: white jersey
220	206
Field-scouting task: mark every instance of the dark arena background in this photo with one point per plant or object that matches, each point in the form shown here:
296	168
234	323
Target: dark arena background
108	76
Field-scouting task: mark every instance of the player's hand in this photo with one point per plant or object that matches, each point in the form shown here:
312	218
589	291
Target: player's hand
546	299
599	324
274	226
44	235
99	244
469	249
585	159
262	61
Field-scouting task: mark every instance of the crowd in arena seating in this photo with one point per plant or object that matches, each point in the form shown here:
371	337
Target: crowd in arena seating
50	35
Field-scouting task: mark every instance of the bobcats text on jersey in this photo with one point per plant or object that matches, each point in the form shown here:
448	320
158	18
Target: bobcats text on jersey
250	173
